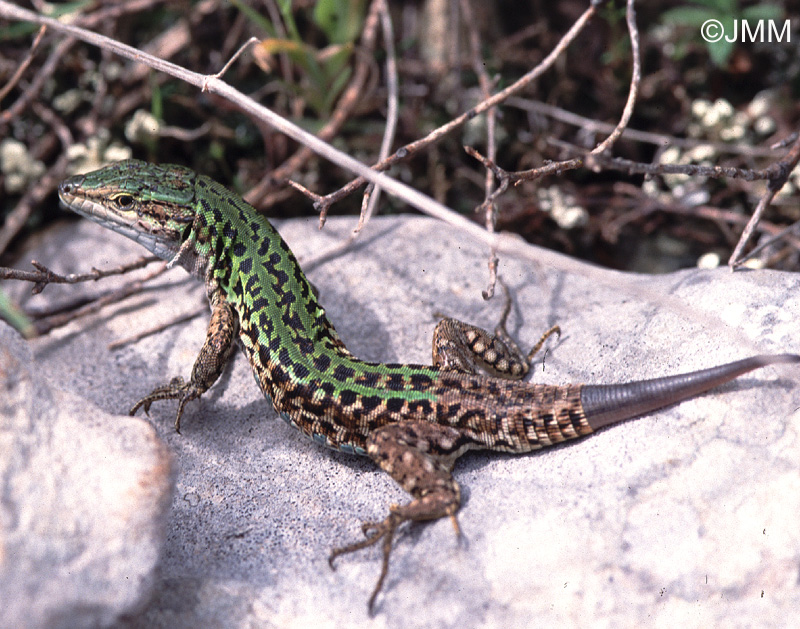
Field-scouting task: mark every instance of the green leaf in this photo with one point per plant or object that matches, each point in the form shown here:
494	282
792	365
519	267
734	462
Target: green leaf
255	17
288	19
687	16
335	62
720	51
763	12
340	20
15	317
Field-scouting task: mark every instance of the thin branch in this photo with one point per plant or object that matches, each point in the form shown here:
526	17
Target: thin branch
492	264
485	83
658	139
24	65
372	194
506	177
45	325
43	276
245	46
32	91
636	78
315	198
185	135
694	170
351	96
489	207
599	162
780	172
788	233
406	151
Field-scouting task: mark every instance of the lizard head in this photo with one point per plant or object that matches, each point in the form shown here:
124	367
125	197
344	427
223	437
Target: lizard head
153	205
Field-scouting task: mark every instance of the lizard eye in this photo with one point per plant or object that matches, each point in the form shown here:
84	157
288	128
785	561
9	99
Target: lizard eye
124	202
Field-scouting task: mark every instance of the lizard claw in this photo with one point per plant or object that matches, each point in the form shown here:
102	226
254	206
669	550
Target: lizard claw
380	530
178	389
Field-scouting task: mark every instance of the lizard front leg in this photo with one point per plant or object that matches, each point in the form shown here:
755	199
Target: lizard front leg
223	329
420	457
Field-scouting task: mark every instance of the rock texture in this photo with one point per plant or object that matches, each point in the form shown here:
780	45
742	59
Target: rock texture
685	517
84	499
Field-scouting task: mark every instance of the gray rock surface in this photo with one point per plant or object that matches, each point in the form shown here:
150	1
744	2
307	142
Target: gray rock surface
83	502
688	516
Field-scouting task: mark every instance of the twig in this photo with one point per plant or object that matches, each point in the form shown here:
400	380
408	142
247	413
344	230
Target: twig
315	198
406	151
373	193
771	173
31	92
44	276
24	65
492	264
489	207
659	139
785	233
185	135
352	95
506	177
636	78
245	46
45	325
779	174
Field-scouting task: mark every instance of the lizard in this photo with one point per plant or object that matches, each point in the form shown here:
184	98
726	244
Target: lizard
413	421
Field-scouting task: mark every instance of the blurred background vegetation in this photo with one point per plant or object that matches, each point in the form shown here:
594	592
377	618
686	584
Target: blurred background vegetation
75	106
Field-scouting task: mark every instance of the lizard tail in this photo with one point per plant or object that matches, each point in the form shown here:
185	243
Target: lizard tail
611	403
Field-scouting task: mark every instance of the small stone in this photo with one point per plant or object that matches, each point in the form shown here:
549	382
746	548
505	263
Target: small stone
85	500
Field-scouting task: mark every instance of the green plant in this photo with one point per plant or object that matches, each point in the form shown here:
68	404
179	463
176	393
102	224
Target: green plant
727	13
322	73
11	314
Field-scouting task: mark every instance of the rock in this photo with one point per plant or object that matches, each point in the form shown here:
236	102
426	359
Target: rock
84	502
689	513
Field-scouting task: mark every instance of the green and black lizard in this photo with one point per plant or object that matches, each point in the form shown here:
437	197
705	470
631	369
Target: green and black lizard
414	421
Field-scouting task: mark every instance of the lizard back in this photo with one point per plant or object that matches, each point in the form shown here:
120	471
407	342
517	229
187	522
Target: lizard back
317	385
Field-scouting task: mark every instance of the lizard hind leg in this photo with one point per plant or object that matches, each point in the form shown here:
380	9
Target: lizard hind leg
470	349
419	456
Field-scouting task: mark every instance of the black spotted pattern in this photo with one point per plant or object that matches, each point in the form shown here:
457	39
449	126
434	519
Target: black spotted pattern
302	365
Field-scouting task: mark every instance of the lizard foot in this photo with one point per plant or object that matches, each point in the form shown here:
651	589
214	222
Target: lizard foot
177	389
374	532
419	455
